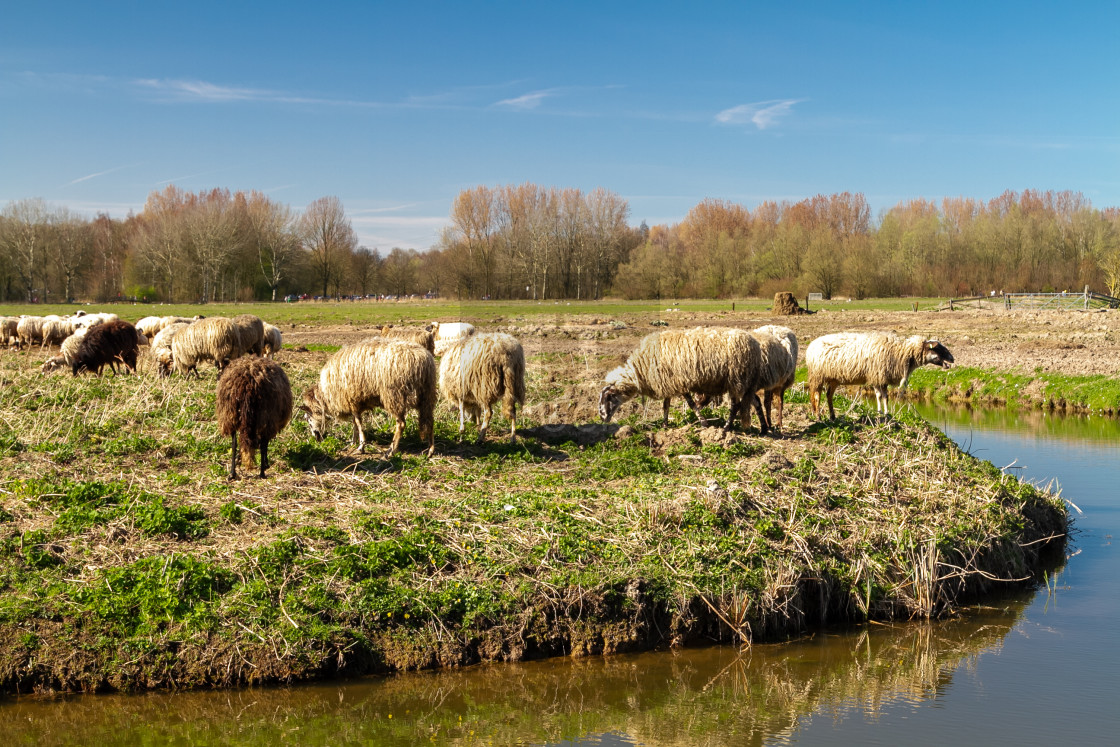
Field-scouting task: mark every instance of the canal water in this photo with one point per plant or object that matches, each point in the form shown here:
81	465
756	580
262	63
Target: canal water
1030	668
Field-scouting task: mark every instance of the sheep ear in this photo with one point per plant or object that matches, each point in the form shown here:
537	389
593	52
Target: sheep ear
305	408
932	344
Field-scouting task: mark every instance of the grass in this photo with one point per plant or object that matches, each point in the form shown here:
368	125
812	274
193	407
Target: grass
127	560
318	313
1042	389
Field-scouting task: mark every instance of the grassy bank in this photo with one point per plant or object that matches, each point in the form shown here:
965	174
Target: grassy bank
127	560
1047	390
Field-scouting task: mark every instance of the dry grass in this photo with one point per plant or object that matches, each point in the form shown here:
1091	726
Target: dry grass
128	560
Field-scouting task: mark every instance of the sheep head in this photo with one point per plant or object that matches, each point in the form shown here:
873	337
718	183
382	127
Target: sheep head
937	354
318	419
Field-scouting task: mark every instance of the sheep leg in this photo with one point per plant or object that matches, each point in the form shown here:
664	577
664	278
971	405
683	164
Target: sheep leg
732	410
359	438
264	456
462	419
829	391
665	411
233	458
397	432
780	408
513	424
487	413
695	409
763	426
881	400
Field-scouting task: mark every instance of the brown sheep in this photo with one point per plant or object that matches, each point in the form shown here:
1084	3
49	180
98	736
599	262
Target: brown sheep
107	344
254	403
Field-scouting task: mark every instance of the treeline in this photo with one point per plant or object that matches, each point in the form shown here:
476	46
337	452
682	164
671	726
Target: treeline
528	241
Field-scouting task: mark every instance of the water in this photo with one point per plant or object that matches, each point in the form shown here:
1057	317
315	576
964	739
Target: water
1032	668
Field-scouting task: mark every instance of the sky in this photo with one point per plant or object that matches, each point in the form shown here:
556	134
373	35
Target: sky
397	107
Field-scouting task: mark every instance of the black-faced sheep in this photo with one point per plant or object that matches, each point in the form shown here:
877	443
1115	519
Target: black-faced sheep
395	375
479	370
106	345
447	333
254	403
677	363
207	339
422	336
872	359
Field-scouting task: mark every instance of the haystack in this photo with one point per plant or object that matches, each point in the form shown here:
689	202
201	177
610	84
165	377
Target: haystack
786	305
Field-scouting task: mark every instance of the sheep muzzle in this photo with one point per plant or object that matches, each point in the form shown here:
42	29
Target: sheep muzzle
608	403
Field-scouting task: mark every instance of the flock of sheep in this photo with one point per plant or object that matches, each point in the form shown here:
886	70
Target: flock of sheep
395	370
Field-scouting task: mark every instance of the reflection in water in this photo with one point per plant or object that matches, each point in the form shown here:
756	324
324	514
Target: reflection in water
693	697
1037	423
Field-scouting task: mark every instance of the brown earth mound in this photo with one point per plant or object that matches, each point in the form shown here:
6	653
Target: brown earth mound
786	305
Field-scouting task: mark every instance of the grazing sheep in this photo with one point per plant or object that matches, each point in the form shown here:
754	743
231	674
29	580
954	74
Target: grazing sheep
254	404
447	333
273	340
54	331
9	331
89	320
150	325
872	359
422	336
66	352
395	375
477	371
29	330
207	339
250	334
677	363
106	344
161	347
778	369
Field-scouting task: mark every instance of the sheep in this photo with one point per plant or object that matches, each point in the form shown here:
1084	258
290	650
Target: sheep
106	344
29	329
477	371
89	320
254	403
422	336
161	348
150	325
779	367
250	334
207	339
872	359
447	333
677	363
66	352
391	374
273	340
9	331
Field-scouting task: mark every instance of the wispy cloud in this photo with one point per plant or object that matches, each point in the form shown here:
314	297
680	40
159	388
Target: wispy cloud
87	177
527	101
407	232
762	114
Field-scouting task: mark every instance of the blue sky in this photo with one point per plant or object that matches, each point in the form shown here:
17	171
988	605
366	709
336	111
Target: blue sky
396	107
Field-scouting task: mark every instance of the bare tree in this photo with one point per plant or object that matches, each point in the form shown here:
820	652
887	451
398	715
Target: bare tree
24	240
71	249
329	238
274	230
365	267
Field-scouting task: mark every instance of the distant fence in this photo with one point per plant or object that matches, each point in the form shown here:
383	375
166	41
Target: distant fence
1062	301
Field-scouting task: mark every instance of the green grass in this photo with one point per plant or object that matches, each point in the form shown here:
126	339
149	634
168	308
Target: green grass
1097	393
370	313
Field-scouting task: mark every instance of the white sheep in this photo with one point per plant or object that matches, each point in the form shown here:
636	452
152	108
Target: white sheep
479	370
55	330
446	333
677	363
162	353
273	340
422	336
779	369
150	326
872	359
250	334
207	339
395	375
66	352
9	331
29	330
